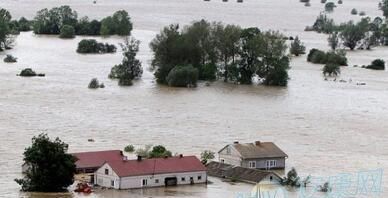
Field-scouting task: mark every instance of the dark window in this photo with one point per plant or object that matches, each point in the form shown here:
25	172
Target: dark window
199	177
106	171
270	178
112	183
145	182
183	179
156	181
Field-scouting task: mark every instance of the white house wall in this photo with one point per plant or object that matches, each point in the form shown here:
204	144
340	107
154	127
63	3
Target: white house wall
233	158
136	181
102	179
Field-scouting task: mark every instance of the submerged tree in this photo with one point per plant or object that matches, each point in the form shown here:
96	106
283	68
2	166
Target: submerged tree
51	168
206	156
6	39
352	34
331	69
297	47
130	68
333	40
383	5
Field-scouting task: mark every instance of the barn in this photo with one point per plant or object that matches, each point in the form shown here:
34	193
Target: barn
143	173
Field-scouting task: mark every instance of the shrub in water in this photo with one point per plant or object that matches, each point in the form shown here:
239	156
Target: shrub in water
92	46
130	148
28	72
362	13
320	57
354	11
297	47
10	59
377	64
182	76
331	69
67	31
329	7
94	84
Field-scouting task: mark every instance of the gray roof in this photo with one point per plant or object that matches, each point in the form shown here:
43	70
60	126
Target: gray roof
261	150
222	170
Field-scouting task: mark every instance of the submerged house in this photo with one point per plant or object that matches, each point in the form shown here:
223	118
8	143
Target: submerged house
258	155
143	173
255	176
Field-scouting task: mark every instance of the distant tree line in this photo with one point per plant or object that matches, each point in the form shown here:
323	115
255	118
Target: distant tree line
51	21
207	51
364	34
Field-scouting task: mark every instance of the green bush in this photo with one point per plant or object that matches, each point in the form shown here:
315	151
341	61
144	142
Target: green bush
67	31
320	57
94	84
92	46
208	72
129	149
329	7
354	11
331	69
377	64
28	72
297	48
10	59
182	76
125	80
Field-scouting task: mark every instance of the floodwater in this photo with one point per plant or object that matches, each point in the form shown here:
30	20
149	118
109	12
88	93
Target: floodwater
326	127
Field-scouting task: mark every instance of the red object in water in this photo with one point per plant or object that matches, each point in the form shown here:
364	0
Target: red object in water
83	187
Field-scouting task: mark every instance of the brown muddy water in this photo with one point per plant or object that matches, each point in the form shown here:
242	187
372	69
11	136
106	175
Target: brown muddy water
325	127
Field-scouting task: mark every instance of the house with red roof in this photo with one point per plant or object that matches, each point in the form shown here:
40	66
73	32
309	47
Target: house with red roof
156	172
89	162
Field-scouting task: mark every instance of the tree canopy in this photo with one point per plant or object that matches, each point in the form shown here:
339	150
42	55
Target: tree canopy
5	30
51	168
130	68
224	51
51	21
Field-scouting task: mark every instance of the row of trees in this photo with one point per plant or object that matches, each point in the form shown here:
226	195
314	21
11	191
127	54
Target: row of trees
207	51
51	21
364	34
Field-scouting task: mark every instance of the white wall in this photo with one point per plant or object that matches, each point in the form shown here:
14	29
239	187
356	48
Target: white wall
104	180
233	158
137	181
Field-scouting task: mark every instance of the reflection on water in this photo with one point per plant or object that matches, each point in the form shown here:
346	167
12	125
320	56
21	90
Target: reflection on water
325	127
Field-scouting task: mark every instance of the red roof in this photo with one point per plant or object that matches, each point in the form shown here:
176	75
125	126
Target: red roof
96	159
125	168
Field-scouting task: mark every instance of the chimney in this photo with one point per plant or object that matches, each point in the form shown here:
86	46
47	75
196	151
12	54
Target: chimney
139	158
235	142
180	155
257	143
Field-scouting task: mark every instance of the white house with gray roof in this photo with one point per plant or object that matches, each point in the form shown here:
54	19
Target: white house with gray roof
258	155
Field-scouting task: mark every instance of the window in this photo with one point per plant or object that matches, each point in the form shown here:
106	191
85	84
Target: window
199	177
252	164
106	171
270	178
112	182
183	179
228	151
144	182
271	163
156	181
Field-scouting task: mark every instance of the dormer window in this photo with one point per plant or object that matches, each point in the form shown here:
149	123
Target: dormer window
106	171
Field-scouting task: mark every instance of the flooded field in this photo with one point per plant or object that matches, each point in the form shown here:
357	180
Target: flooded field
325	127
